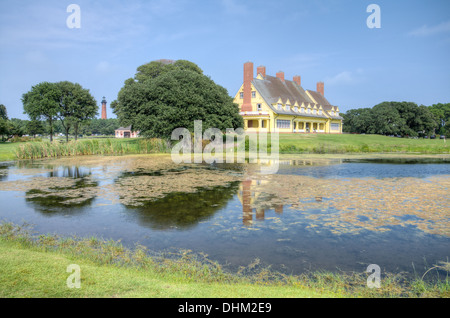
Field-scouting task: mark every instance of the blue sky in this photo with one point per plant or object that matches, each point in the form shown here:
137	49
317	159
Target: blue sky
320	40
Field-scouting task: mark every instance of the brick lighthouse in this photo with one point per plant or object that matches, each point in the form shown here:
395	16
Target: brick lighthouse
104	108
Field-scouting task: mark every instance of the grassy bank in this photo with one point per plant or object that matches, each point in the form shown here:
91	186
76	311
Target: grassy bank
288	144
347	143
36	267
8	150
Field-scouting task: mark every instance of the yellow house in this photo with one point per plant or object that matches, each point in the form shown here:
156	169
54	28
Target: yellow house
273	104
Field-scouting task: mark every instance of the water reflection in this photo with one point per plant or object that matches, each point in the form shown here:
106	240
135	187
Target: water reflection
69	197
4	168
74	172
182	211
312	214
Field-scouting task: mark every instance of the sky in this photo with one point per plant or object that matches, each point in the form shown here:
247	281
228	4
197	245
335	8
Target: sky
405	59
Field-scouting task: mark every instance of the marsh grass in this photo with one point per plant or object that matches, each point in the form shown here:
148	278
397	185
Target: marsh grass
189	269
56	149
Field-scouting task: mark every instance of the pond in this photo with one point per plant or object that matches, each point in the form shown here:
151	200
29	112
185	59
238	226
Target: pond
314	214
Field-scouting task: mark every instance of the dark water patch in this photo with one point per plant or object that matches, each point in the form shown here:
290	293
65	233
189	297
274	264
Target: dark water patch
182	211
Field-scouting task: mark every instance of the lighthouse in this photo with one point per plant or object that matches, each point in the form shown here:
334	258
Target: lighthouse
103	108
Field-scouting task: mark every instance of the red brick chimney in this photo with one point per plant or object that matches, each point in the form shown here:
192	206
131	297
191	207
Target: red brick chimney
261	70
104	108
298	80
280	75
320	88
248	78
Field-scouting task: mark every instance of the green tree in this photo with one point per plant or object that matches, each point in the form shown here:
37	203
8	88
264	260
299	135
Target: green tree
386	120
156	68
34	127
17	127
4	125
156	105
3	112
76	106
357	120
441	113
42	102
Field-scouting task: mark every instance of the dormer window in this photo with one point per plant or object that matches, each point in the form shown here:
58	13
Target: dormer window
314	111
320	112
288	107
302	110
280	106
295	109
308	111
332	113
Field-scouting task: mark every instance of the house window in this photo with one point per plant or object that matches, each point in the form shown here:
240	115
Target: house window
334	126
281	123
332	113
295	109
241	95
253	94
314	111
308	111
288	107
280	106
320	112
302	110
259	107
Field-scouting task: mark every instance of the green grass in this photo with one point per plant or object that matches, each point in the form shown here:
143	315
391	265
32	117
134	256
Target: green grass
36	267
347	143
289	144
7	151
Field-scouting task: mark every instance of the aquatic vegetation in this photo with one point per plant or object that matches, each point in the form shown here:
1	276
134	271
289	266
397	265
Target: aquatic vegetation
353	205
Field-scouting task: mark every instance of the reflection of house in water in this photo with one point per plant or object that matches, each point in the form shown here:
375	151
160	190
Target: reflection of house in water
250	199
258	193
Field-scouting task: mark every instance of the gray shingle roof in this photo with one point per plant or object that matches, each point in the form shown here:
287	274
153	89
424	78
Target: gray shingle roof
272	89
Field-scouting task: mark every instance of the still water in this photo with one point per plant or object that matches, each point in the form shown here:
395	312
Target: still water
317	214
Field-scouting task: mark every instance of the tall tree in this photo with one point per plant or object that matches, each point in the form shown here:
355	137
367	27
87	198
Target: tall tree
76	106
3	112
42	102
157	104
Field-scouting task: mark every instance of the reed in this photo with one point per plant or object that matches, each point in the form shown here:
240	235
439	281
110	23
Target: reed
83	147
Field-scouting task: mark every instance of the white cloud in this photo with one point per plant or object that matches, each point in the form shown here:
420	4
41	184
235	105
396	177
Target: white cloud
426	30
345	77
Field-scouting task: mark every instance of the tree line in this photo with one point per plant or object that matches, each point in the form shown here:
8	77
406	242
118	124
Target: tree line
399	118
162	96
10	127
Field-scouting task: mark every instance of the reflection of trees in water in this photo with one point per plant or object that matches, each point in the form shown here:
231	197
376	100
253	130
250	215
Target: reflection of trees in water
69	172
63	201
4	171
184	210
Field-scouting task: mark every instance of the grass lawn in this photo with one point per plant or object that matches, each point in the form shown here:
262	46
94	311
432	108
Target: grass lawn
7	150
27	272
348	143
